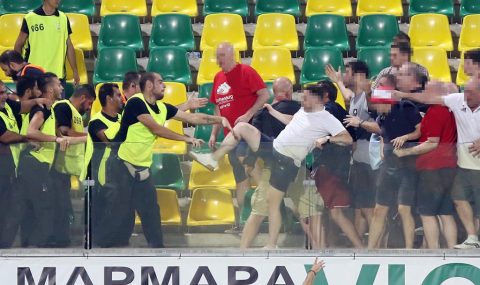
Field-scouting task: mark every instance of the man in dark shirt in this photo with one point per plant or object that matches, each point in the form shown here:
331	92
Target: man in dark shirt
13	64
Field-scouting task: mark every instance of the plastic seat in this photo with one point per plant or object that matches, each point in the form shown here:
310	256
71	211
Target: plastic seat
468	7
171	63
19	6
391	7
96	106
239	7
167	172
435	60
68	90
187	7
205	90
326	30
81	68
133	7
273	62
462	78
291	7
211	206
221	178
85	7
377	30
112	63
220	28
10	25
376	58
163	145
120	30
81	36
172	30
313	68
444	7
337	7
430	30
175	93
469	34
275	30
170	214
208	66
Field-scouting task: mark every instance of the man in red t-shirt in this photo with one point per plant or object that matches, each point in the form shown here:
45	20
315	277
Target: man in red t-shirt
436	165
238	92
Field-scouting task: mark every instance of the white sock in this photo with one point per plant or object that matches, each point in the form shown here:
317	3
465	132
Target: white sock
472	237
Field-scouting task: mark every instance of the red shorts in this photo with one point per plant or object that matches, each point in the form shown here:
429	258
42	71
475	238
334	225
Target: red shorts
332	189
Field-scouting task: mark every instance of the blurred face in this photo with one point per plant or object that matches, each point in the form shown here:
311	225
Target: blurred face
6	69
158	87
225	57
282	89
472	94
397	58
405	79
3	96
470	68
86	105
384	82
310	101
117	99
348	77
52	3
57	89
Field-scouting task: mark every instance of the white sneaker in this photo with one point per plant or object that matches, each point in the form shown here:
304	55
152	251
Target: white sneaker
468	244
205	159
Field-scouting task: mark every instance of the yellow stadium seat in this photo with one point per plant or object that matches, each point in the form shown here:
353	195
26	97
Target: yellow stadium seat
391	7
221	178
3	76
211	206
273	62
74	183
96	106
430	30
187	7
175	93
275	30
163	145
220	28
462	78
133	7
337	7
81	37
209	67
169	209
10	25
469	35
435	60
81	67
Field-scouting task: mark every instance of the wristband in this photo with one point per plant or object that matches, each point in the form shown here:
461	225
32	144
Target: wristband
314	273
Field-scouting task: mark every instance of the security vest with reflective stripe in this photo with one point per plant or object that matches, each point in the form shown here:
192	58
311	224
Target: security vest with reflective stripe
12	126
137	148
46	152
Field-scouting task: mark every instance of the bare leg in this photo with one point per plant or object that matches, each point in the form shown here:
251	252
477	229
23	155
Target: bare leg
243	131
346	226
250	230
408	224
449	229
313	230
377	226
465	213
242	188
360	222
431	231
275	198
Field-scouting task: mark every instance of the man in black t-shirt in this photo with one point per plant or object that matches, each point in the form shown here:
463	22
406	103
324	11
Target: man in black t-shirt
13	64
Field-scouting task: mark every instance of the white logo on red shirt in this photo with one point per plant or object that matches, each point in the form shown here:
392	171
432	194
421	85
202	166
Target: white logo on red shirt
223	89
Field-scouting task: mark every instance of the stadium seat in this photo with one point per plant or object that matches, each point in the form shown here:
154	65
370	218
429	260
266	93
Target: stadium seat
133	7
390	7
221	178
187	7
291	7
326	30
112	63
81	68
96	107
208	66
273	62
10	25
175	93
167	201
211	206
468	7
435	60
69	88
313	68
275	30
167	172
462	78
209	109
172	30
81	36
120	30
205	90
85	7
203	132
444	7
239	7
376	31
469	34
376	58
19	6
171	63
220	28
337	7
430	30
163	145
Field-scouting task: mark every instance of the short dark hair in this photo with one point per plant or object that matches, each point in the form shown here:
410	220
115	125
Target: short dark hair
401	37
358	66
474	55
85	89
420	77
403	47
129	78
322	87
391	78
147	76
45	80
9	56
106	91
25	83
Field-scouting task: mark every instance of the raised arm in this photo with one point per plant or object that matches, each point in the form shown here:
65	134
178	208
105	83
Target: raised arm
429	145
284	118
336	77
262	98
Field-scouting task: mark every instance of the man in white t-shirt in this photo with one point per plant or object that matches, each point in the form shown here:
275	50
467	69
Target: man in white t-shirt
466	109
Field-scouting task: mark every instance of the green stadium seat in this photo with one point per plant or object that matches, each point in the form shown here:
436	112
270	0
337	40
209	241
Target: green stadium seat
469	7
203	132
326	30
239	7
291	7
69	88
209	109
112	63
205	90
313	68
171	63
271	97
444	7
172	30
166	172
19	6
120	30
85	7
376	58
376	30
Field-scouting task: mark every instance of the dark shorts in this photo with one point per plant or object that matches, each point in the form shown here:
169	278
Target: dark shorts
284	171
363	185
466	187
333	190
237	166
433	192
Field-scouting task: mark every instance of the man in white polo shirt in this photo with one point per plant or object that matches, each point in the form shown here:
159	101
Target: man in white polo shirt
466	187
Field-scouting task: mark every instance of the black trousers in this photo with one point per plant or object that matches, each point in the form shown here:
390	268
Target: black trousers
9	210
62	205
